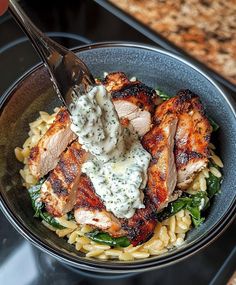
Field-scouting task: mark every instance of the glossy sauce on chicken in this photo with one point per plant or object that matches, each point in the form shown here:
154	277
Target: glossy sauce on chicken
118	163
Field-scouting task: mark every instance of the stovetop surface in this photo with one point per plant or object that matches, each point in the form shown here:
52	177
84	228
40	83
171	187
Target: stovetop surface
72	24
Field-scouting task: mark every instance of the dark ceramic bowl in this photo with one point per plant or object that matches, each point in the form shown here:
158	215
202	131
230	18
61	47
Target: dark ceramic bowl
34	92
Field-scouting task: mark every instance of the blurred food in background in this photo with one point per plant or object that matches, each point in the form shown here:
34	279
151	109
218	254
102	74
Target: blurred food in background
203	28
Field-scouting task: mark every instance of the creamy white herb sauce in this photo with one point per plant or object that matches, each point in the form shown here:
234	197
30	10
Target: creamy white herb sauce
96	123
118	165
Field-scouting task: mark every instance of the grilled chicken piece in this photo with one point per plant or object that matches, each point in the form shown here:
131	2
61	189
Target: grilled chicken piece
132	100
89	210
58	192
139	119
140	227
162	176
121	88
45	155
192	135
114	81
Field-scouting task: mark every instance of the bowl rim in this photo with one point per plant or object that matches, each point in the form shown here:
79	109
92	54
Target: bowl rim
123	267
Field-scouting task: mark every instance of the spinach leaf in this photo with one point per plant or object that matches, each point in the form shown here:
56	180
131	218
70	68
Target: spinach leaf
105	238
193	203
51	220
163	95
172	209
214	125
198	203
213	185
34	193
197	199
213	182
70	216
38	206
197	221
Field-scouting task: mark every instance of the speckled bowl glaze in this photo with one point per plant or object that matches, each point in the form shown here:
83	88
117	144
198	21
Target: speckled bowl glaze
34	92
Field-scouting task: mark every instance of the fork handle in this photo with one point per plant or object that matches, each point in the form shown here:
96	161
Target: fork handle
57	59
43	44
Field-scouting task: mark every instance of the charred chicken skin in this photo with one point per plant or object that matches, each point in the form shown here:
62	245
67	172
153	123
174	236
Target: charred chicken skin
89	210
133	100
59	190
192	135
140	227
162	176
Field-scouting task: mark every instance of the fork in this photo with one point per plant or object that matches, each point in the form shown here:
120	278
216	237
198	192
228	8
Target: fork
70	75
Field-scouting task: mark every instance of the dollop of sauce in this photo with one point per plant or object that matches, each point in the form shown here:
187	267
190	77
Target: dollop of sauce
118	163
95	121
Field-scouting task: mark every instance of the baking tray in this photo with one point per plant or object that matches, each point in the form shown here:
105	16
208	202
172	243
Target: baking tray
164	43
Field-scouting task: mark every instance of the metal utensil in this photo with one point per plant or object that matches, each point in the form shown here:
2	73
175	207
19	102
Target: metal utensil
69	74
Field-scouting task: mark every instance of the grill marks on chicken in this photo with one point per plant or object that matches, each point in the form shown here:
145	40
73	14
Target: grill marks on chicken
86	196
45	155
180	136
121	88
191	149
192	135
114	81
133	100
89	210
58	192
162	176
140	227
137	93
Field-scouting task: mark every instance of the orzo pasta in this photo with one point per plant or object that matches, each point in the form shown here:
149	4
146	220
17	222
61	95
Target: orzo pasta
168	233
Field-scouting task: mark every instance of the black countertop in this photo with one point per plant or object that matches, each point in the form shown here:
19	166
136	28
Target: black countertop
72	24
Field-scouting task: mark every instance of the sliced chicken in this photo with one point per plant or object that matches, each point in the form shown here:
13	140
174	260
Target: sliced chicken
89	210
140	227
132	100
58	192
135	92
192	135
162	175
45	155
139	119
